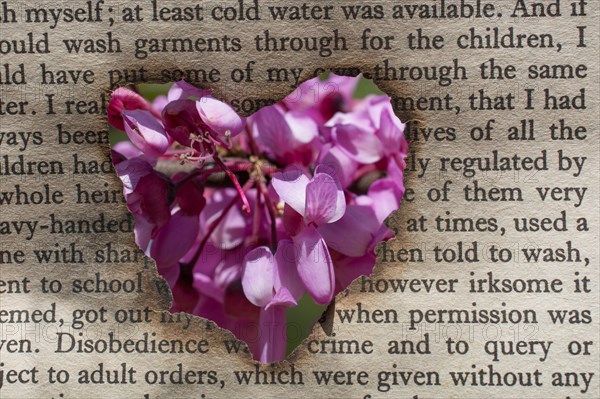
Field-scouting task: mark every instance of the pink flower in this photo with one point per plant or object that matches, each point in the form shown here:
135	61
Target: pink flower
123	100
319	201
323	98
284	135
182	90
271	283
148	194
242	217
124	150
174	239
146	132
202	124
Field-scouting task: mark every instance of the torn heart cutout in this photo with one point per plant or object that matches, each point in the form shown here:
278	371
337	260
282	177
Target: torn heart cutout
245	216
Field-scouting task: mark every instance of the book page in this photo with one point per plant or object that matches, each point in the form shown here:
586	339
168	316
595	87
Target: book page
490	287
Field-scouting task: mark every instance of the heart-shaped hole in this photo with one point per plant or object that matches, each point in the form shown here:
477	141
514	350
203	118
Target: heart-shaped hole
246	218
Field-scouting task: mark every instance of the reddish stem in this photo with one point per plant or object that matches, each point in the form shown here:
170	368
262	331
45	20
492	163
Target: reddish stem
252	142
234	164
205	173
236	183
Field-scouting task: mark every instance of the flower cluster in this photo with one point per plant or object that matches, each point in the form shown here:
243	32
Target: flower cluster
244	216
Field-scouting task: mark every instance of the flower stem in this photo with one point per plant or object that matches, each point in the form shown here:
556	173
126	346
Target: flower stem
252	142
236	183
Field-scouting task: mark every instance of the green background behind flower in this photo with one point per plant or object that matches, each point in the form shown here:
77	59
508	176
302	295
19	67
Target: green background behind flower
301	318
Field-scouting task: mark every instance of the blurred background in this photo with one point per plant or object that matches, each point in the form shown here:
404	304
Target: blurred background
300	319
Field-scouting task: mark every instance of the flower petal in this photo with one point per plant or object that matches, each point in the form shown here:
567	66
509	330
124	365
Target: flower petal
272	132
293	222
340	202
290	185
181	119
359	119
353	233
273	335
325	97
143	232
321	199
302	127
386	196
170	273
159	103
283	297
232	230
221	119
174	239
190	195
123	99
258	276
146	132
348	268
183	90
391	131
315	267
343	166
395	171
359	144
152	198
126	150
214	271
286	277
131	171
206	286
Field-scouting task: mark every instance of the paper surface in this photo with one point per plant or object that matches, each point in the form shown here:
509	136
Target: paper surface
434	320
